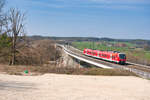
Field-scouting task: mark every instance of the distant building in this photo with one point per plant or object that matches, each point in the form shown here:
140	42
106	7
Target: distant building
120	45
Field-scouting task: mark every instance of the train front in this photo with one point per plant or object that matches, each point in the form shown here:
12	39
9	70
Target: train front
122	58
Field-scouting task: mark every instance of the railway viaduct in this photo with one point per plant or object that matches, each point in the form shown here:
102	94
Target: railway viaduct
140	70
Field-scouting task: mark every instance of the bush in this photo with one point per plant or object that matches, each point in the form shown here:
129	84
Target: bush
5	45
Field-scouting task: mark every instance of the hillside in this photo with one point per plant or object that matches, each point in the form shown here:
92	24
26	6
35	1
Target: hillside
92	39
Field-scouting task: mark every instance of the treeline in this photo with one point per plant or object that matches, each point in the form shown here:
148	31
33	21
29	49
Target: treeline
93	39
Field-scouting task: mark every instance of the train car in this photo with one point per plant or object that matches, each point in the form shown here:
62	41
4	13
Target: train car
112	56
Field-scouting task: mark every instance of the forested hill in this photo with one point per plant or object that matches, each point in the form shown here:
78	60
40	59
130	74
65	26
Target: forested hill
93	39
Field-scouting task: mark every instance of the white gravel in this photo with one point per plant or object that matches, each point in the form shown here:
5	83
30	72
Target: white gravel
73	87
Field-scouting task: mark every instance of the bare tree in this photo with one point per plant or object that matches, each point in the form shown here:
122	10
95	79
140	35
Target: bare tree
2	2
17	26
4	20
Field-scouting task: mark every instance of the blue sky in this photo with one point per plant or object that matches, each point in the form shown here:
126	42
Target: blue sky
126	19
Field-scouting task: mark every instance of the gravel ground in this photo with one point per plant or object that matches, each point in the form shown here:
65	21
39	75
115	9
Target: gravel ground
73	87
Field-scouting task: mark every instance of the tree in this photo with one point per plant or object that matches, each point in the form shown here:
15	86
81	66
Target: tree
2	2
11	27
2	18
5	41
4	21
17	29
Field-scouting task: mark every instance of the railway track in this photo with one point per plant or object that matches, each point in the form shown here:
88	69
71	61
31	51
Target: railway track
138	69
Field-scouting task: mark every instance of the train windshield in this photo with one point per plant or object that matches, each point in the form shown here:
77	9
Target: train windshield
122	56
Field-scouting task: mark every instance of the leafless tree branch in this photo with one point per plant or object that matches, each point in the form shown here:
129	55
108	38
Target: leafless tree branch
17	26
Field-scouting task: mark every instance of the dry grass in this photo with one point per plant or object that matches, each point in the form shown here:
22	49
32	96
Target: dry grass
19	70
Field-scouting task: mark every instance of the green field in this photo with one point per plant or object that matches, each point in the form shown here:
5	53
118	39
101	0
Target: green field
97	46
133	55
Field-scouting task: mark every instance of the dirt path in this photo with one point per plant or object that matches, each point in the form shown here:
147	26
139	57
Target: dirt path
73	87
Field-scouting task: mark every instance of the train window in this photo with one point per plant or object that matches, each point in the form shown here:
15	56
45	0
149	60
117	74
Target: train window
89	52
94	53
99	54
122	56
113	57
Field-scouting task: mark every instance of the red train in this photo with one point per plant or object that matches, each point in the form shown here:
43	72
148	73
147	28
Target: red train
112	56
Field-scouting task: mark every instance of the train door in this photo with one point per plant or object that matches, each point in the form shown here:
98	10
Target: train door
108	55
95	53
88	52
100	54
84	51
111	57
116	57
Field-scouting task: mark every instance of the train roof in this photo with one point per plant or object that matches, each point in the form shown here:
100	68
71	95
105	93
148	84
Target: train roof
108	51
